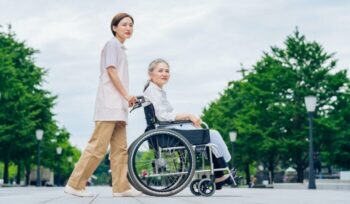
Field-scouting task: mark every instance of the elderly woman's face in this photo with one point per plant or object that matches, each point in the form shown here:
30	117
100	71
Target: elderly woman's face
160	74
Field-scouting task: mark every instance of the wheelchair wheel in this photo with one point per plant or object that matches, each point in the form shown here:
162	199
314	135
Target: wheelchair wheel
161	162
206	187
133	184
128	175
194	187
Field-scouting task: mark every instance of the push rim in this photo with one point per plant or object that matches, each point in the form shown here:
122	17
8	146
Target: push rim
162	162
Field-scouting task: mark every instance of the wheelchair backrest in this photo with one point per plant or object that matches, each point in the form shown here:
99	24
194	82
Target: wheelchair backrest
150	116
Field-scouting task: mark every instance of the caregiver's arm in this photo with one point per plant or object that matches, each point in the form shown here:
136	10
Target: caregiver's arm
113	75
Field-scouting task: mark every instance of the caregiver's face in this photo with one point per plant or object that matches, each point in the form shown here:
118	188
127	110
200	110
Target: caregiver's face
124	29
160	74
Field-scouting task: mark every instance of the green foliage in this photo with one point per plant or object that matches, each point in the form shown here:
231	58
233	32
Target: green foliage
1	170
267	108
103	178
25	106
144	156
12	171
102	174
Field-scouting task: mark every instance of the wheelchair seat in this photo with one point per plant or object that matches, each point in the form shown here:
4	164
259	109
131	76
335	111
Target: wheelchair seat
194	136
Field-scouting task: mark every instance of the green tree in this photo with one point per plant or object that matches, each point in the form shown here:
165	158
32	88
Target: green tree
17	118
24	107
267	107
232	112
335	145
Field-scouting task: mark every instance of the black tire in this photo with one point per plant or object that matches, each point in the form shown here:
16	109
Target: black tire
128	175
169	170
206	187
194	187
133	184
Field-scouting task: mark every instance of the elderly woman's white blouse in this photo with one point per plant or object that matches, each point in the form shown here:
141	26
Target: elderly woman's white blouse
157	96
165	112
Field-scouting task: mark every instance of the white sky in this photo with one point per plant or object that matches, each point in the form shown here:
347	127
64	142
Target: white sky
204	41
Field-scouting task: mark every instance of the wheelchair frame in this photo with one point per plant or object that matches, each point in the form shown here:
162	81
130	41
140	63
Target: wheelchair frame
199	186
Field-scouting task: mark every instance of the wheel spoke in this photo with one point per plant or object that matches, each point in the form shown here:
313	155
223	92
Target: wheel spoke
162	162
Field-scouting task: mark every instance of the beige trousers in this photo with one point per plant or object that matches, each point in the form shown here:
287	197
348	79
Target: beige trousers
105	133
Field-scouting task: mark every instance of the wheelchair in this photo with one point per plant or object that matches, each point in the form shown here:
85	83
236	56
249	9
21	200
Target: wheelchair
163	161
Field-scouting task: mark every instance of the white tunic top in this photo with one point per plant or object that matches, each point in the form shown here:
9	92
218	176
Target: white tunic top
157	96
110	105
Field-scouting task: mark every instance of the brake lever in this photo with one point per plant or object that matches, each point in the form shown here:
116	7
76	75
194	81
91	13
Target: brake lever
137	105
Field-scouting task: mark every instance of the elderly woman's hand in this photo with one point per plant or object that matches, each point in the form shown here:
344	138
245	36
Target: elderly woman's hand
196	121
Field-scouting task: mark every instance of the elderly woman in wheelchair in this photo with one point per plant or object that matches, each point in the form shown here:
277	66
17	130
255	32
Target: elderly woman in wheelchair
174	147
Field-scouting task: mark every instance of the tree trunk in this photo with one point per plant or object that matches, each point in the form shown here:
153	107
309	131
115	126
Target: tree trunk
18	177
272	173
247	173
329	167
300	173
27	173
6	167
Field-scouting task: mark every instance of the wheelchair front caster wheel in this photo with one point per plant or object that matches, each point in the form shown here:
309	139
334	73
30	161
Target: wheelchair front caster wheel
194	187
206	187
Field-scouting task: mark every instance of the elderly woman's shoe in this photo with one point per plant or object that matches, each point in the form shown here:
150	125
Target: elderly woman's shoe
227	181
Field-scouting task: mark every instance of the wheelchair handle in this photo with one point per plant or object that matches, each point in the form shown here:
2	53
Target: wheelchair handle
140	101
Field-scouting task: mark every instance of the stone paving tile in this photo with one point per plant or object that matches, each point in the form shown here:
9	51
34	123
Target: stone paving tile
33	195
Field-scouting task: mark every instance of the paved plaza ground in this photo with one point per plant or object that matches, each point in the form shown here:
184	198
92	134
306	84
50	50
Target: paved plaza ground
29	195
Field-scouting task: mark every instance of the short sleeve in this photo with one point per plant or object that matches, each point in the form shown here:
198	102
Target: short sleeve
111	55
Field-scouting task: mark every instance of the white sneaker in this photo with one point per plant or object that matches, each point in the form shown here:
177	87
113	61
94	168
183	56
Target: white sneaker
129	193
79	193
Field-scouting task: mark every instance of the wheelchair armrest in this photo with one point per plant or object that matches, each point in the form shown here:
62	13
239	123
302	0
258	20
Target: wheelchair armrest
176	122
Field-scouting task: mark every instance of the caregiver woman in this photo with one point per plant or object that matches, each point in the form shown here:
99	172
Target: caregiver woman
111	116
159	74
